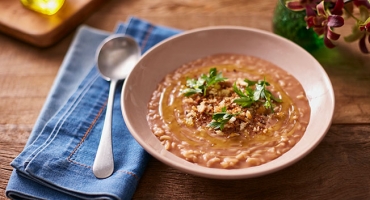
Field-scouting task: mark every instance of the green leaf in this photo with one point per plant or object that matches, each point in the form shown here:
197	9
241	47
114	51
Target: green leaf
194	86
249	82
227	116
249	91
223	109
191	82
220	119
244	102
257	92
203	82
238	91
273	98
268	105
190	91
213	77
218	116
251	96
215	125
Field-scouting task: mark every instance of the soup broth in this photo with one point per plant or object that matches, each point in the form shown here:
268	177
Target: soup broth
242	136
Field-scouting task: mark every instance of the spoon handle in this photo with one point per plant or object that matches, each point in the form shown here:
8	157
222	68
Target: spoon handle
104	165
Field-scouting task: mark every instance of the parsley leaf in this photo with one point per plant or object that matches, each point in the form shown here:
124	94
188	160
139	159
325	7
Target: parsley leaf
220	119
213	77
245	100
203	82
194	86
249	82
251	96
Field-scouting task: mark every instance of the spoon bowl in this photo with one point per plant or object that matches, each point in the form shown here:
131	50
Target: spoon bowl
115	58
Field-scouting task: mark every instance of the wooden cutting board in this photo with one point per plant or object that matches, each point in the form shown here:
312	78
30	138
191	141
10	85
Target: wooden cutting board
43	30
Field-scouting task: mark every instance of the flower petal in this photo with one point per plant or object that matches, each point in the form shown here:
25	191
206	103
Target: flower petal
320	21
335	21
319	30
321	8
328	43
362	45
337	10
367	27
348	7
359	3
364	13
332	35
310	21
310	11
355	35
294	5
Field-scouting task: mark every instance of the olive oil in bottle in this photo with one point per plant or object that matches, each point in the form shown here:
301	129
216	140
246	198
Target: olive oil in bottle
47	7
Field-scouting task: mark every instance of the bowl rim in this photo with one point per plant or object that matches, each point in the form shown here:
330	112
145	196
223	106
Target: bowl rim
242	173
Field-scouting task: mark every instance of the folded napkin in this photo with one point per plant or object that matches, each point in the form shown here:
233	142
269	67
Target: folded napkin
57	160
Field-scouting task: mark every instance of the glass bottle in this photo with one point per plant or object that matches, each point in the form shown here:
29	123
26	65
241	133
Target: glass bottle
47	7
292	25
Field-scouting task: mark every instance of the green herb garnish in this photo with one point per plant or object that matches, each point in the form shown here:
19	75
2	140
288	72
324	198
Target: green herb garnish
251	96
220	119
246	99
202	83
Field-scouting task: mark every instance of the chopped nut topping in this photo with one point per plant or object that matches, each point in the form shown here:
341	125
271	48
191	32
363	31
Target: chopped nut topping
246	120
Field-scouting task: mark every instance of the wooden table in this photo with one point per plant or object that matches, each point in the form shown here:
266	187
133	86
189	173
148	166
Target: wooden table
339	168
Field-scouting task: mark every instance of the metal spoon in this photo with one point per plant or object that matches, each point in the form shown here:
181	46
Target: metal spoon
115	58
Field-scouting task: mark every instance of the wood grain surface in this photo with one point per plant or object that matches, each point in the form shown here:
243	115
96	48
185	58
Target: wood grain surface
339	168
43	30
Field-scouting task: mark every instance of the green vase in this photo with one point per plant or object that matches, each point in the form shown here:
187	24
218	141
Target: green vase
291	25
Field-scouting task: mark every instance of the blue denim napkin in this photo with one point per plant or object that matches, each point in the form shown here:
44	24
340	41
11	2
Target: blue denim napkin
57	160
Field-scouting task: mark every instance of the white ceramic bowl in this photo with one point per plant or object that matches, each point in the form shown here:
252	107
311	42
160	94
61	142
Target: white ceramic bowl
188	46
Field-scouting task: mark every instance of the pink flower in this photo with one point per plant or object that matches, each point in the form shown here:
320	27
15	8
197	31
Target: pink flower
324	20
361	30
359	3
299	5
325	15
